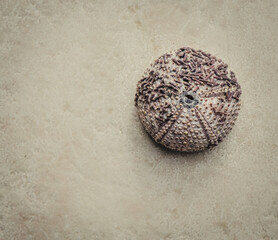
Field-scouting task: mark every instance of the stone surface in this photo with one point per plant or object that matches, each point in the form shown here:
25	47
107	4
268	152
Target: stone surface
187	100
76	162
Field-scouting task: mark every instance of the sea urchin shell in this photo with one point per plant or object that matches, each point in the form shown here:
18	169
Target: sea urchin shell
187	101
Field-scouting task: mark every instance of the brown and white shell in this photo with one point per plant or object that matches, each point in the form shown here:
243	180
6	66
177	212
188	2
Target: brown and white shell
187	100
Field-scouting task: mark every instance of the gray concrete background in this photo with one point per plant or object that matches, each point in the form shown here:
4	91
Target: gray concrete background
76	162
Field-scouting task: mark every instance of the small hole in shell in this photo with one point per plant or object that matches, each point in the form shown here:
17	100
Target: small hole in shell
189	97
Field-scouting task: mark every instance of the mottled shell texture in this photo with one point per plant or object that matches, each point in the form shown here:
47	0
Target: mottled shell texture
187	100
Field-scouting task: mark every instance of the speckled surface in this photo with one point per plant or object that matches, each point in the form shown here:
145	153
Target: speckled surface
188	100
75	160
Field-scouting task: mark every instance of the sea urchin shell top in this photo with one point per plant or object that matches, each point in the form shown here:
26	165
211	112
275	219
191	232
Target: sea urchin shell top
187	101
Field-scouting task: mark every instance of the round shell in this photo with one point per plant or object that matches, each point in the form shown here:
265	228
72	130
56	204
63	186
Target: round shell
187	100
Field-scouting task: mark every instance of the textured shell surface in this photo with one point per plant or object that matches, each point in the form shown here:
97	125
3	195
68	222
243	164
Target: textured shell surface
188	100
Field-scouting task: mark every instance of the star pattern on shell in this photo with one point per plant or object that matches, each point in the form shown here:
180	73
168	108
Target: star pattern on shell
187	100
